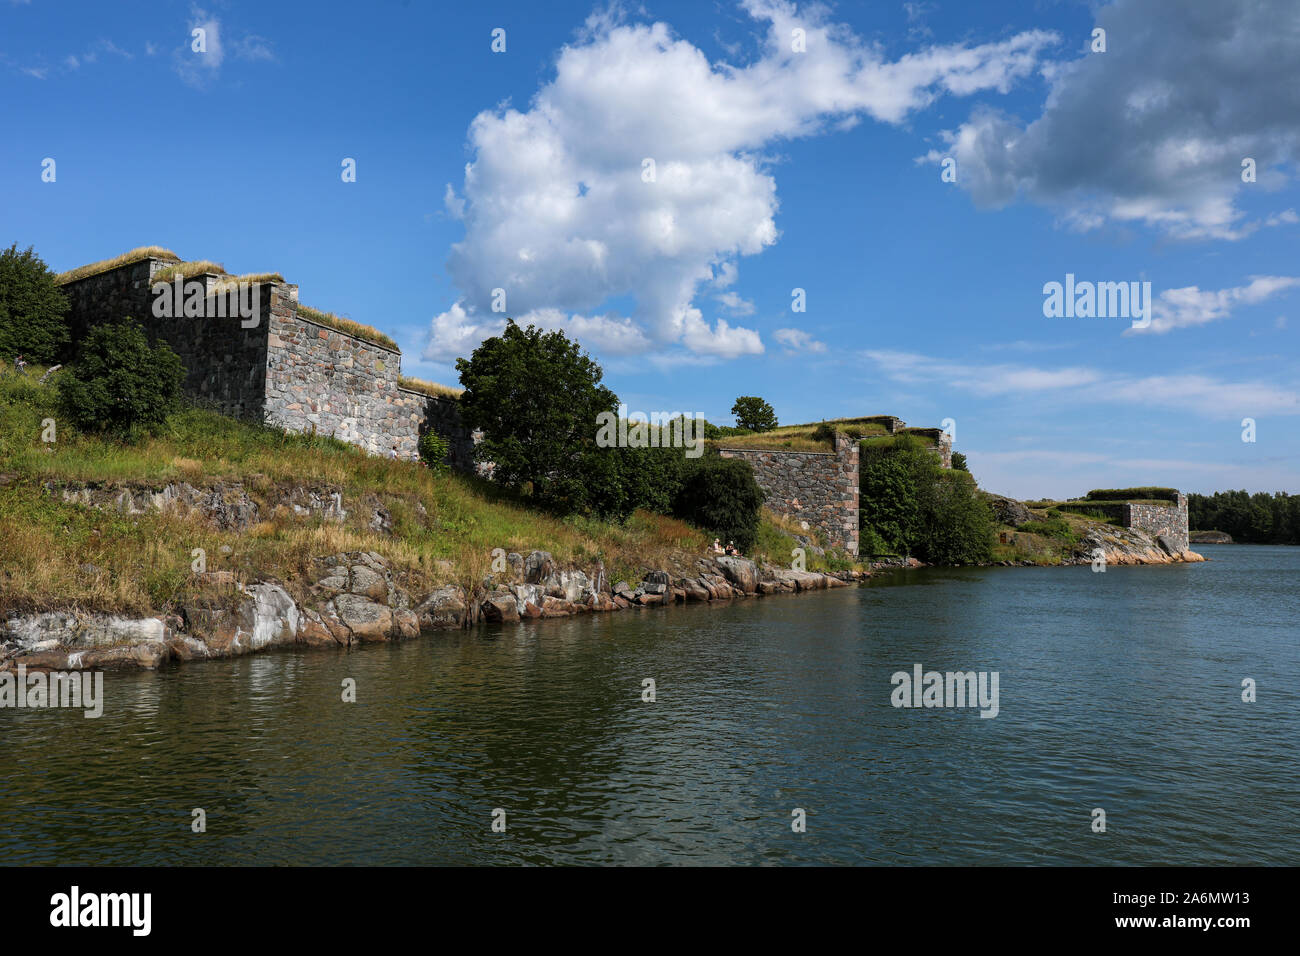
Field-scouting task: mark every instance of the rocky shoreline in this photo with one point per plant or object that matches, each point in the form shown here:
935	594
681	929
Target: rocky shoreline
354	598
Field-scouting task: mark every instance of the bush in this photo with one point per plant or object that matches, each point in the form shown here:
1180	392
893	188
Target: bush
959	462
33	309
1133	494
720	496
871	544
1052	528
433	450
119	383
823	432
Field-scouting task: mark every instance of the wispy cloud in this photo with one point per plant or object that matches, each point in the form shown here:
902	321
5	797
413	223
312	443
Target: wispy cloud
1191	306
1200	394
797	340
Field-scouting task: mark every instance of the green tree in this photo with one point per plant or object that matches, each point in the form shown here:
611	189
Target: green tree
889	501
537	396
917	507
119	383
959	462
719	495
33	310
957	524
753	414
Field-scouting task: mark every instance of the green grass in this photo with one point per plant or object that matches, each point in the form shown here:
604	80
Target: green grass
800	437
142	563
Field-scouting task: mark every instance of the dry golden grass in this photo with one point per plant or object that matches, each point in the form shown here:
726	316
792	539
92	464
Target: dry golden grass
187	270
249	278
348	327
105	265
800	437
429	388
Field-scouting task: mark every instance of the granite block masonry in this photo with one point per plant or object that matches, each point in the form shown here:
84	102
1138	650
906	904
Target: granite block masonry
820	488
287	369
1161	520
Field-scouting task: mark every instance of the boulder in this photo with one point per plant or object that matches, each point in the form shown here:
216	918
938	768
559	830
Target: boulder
366	619
501	608
695	591
538	566
1009	511
741	572
444	608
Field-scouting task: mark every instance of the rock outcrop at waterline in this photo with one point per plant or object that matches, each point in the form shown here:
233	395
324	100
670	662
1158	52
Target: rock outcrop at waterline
354	598
1126	546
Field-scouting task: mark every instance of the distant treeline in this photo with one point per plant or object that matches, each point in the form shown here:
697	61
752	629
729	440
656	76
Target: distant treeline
1253	519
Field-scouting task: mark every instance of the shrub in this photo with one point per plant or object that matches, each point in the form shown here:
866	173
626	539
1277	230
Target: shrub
959	462
720	496
120	384
433	450
1133	494
33	310
1056	527
871	544
823	432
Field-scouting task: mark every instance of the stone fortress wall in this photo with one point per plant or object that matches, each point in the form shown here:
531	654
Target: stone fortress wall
820	488
1169	521
286	369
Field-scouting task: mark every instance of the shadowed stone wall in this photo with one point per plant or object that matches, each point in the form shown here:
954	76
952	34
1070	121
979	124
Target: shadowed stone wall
288	370
820	488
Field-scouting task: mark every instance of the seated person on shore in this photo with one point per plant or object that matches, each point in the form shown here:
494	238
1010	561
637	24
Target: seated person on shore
732	549
715	548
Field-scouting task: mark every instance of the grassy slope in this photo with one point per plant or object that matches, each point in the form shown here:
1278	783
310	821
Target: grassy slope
142	563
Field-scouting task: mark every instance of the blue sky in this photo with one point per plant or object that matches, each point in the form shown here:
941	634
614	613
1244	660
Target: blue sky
776	169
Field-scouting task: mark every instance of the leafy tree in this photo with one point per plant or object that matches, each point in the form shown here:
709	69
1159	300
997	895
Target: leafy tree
917	507
959	462
720	496
889	502
1253	519
536	396
33	310
119	383
753	414
957	525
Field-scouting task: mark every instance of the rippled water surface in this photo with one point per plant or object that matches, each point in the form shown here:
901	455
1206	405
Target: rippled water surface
1119	690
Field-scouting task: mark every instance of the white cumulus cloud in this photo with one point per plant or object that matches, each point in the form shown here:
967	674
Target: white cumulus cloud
557	208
